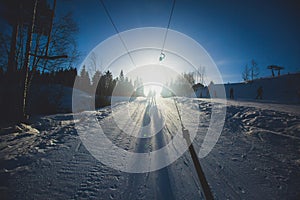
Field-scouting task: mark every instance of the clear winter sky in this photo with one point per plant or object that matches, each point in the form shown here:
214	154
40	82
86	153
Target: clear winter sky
232	31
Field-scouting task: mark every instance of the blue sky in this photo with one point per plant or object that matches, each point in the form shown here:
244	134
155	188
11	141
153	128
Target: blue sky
232	32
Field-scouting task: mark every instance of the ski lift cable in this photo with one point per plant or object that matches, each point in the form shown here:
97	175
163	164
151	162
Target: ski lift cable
168	26
200	173
162	55
117	31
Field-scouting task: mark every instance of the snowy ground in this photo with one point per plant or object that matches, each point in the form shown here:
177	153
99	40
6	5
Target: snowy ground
257	156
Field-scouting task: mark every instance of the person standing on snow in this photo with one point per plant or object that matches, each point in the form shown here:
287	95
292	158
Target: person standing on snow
231	93
259	92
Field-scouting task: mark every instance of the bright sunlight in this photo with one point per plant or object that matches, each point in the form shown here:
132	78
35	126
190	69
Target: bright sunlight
152	88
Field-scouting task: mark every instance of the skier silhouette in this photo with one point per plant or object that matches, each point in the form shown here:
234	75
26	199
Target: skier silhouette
259	93
153	97
231	93
149	96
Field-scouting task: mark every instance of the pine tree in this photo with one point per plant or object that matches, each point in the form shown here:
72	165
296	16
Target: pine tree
95	82
121	76
84	80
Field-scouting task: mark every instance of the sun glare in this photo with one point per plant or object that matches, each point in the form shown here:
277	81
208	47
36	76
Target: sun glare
152	89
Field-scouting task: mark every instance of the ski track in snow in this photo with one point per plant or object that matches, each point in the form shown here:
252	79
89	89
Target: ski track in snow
256	157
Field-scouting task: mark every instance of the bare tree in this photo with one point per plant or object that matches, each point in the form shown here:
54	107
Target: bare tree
38	41
200	75
94	64
246	73
62	43
189	77
19	15
254	70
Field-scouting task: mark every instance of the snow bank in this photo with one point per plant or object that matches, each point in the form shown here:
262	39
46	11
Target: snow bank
282	89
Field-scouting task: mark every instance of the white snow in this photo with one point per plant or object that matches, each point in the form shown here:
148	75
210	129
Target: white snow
283	89
256	157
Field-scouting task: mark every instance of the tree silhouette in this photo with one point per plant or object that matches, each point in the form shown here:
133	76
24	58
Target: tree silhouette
96	79
121	76
254	70
84	80
251	72
181	86
34	45
19	14
246	73
138	87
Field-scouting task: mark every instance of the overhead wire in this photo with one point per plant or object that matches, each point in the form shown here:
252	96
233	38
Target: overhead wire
206	189
162	55
117	30
201	176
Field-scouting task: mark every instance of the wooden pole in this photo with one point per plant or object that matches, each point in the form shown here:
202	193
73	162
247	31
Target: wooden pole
201	176
27	58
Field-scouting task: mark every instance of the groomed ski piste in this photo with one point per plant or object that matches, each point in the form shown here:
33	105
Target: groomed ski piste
257	155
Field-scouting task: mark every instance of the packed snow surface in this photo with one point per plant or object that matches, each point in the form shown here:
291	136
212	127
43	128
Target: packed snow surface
256	157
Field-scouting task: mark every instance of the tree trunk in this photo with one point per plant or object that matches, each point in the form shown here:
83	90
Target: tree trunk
11	95
12	67
27	59
49	33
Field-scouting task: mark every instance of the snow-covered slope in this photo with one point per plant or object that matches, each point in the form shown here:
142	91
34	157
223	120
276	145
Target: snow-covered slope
256	157
282	89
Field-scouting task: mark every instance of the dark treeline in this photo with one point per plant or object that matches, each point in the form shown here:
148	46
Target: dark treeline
50	89
41	101
35	45
103	86
63	77
38	49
